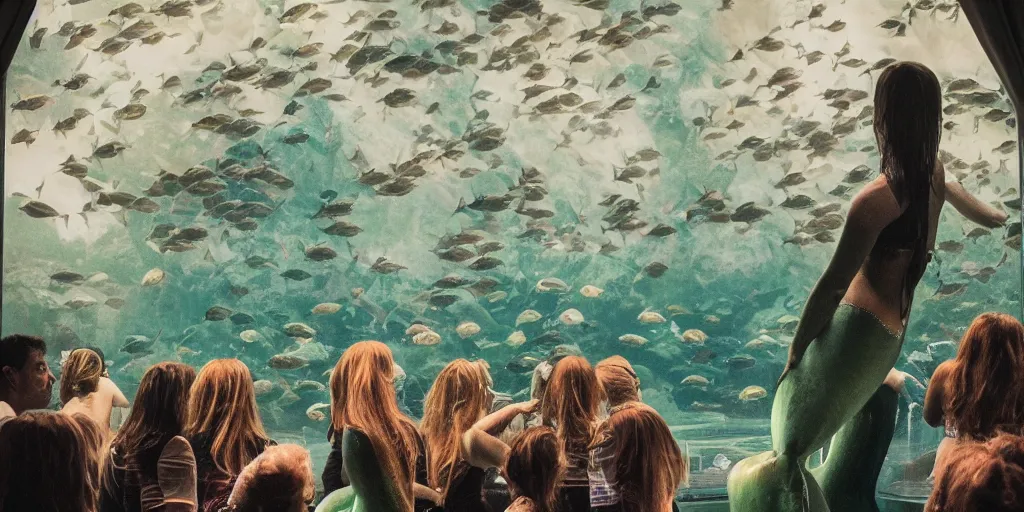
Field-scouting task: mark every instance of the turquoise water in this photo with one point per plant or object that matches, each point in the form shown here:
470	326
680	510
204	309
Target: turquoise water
623	146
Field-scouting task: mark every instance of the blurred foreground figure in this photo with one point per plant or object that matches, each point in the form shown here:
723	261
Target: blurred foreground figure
279	480
47	465
981	477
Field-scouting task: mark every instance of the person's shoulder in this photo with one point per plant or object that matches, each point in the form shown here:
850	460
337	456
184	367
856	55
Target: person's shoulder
942	371
177	447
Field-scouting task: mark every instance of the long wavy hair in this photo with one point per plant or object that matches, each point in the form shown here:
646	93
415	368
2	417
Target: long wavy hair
572	402
81	374
985	476
535	466
908	127
649	466
222	405
457	400
46	464
984	390
619	380
279	479
363	397
159	413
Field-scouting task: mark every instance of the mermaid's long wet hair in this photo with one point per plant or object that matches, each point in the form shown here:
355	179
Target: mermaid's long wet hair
363	397
457	400
908	126
984	391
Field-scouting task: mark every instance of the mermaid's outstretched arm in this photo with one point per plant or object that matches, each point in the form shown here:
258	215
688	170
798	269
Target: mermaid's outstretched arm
873	209
971	208
377	491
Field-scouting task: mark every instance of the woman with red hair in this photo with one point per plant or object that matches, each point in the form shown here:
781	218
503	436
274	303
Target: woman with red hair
980	391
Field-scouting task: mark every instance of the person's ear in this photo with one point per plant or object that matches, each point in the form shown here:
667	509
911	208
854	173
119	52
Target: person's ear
10	374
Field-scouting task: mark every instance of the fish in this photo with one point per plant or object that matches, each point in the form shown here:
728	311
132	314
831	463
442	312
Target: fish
296	274
551	284
591	291
696	381
153	277
250	336
467	329
571	317
320	253
287	362
633	339
217	313
750	393
516	339
427	339
651	317
522	364
299	330
528	316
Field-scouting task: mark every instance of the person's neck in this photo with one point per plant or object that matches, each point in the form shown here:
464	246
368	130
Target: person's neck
11	400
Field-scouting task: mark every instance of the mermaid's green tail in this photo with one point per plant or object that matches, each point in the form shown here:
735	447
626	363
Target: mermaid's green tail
850	472
772	483
839	373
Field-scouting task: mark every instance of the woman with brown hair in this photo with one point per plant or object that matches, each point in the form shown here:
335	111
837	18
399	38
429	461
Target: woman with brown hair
459	397
85	388
279	480
150	465
224	429
647	465
572	404
980	391
46	464
981	477
852	328
535	466
619	381
375	448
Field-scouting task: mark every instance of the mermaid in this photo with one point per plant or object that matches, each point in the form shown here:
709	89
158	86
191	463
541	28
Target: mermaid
852	327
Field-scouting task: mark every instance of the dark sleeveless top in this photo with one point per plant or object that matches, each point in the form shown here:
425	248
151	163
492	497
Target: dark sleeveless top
213	486
466	494
333	478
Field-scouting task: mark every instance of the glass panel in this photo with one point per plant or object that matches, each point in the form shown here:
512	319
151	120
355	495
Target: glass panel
193	180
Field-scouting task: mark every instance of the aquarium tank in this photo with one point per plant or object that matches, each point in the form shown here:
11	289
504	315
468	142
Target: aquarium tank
274	180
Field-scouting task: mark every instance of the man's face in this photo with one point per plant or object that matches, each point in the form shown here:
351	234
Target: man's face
34	383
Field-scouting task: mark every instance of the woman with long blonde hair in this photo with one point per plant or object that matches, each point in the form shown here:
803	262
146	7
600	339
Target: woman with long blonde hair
980	391
460	396
647	465
86	389
224	428
375	448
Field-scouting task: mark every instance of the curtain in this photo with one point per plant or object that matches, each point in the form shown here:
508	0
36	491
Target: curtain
14	18
999	25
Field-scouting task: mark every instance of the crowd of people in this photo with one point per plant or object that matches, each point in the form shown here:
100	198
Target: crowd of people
585	440
195	442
